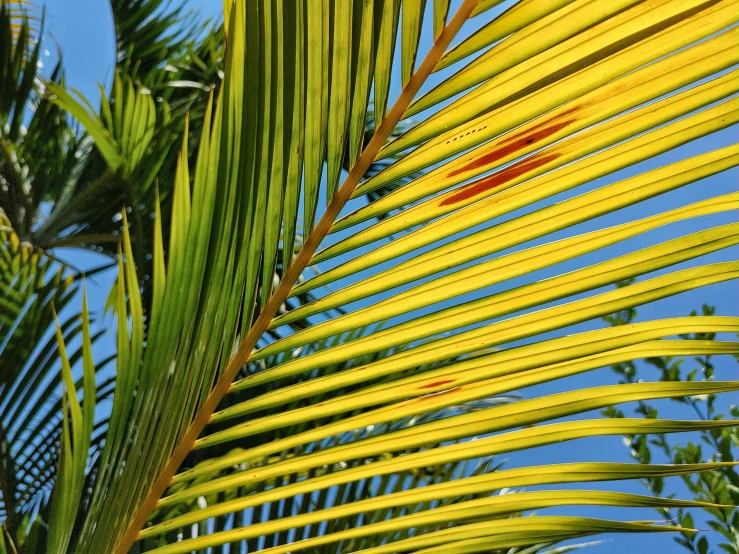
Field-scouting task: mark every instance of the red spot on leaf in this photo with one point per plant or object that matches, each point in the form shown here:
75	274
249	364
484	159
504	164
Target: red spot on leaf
497	179
527	133
523	138
437	384
513	145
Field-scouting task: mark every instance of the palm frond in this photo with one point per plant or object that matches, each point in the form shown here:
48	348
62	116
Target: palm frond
613	85
34	284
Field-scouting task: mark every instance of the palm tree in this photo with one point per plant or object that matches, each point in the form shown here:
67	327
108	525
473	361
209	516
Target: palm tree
59	192
216	422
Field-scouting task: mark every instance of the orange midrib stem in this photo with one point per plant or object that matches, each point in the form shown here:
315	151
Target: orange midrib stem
203	415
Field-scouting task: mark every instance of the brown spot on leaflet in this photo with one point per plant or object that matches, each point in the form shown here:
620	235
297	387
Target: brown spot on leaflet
512	146
541	124
436	384
497	179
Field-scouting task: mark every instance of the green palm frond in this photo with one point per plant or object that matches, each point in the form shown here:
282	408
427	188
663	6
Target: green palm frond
19	59
58	191
148	32
21	14
566	93
33	285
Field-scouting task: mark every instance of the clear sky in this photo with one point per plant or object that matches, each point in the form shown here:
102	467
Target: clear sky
83	30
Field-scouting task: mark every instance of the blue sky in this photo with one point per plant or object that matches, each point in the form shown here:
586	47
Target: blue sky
83	30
